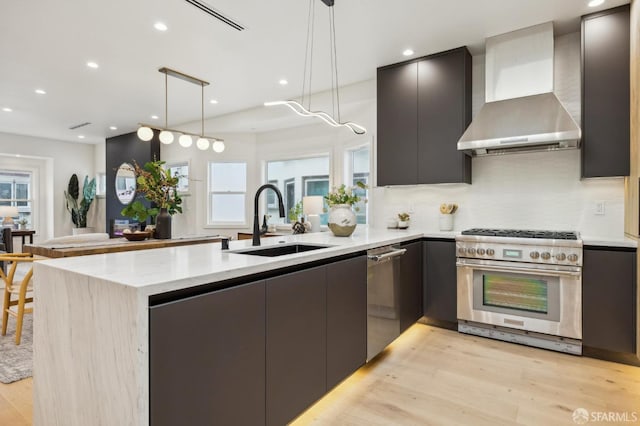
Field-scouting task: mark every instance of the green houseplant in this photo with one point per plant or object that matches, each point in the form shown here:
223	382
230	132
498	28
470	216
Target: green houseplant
157	185
342	220
79	208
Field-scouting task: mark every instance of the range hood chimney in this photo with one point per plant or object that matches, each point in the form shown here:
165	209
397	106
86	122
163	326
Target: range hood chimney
520	113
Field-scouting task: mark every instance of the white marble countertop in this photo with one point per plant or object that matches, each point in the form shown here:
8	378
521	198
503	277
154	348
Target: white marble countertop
165	269
613	241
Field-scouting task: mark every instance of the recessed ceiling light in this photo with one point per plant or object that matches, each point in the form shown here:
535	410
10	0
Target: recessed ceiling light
594	3
154	117
80	136
283	82
7	109
408	52
113	128
92	64
160	26
213	101
40	92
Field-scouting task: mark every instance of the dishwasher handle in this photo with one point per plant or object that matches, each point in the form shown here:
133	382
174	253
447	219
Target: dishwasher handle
386	255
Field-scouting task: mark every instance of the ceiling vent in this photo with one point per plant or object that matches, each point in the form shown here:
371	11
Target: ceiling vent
216	14
77	126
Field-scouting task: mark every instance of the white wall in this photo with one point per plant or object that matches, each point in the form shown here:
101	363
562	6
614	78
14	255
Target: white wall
534	190
55	162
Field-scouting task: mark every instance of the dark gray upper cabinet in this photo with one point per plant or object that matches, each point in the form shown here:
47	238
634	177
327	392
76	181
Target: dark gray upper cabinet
424	106
440	283
444	112
605	93
410	285
346	318
296	343
608	299
397	145
207	359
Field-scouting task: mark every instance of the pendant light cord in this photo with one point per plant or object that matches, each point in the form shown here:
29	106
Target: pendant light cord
166	102
202	119
334	60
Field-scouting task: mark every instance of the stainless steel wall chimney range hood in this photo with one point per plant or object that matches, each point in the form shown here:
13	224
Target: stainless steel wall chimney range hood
521	112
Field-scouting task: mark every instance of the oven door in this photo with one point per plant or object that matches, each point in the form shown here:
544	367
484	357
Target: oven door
532	297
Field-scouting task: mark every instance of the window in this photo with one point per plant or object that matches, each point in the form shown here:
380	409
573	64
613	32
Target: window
16	190
357	170
227	194
296	178
181	170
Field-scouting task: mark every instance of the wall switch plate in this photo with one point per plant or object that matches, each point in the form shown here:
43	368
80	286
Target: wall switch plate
600	208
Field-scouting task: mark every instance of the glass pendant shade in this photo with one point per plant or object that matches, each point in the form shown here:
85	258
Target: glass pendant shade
202	144
145	133
166	137
218	146
185	141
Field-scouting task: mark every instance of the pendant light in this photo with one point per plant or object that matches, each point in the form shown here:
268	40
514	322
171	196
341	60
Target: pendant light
166	136
299	108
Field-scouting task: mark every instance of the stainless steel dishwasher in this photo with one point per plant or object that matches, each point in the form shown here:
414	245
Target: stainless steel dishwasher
383	313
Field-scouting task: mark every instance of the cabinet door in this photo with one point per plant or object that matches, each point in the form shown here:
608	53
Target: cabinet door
605	93
608	300
397	143
444	112
296	343
410	285
346	318
207	359
440	289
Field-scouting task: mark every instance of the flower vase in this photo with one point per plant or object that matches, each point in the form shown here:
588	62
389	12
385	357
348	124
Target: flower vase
163	225
342	220
446	222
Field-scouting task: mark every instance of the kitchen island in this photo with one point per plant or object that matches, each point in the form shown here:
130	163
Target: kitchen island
92	326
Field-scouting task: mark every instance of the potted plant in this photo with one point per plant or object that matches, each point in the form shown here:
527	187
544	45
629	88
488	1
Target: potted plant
403	220
296	219
22	223
80	209
342	220
157	185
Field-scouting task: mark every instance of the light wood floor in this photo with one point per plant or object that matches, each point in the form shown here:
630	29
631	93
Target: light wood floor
440	377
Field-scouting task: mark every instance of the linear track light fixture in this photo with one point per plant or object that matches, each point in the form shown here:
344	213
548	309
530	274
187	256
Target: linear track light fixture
145	131
305	110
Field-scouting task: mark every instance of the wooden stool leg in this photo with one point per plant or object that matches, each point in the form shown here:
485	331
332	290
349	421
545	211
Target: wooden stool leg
5	313
19	322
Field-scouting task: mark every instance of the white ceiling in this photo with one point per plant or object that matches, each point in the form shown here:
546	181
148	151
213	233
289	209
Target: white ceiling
46	44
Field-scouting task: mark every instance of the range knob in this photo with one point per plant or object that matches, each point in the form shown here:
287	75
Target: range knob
471	251
572	258
490	252
461	250
534	255
561	256
481	251
545	255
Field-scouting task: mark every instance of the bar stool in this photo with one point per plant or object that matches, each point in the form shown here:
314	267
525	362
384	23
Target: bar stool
16	286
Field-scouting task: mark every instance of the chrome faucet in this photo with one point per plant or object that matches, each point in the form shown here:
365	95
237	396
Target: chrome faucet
256	226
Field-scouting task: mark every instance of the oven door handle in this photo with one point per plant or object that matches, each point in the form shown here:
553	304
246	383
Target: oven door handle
529	271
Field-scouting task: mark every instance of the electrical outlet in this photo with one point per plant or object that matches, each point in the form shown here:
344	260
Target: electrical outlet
600	208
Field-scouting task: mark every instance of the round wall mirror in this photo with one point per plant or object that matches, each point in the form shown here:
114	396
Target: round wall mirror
125	183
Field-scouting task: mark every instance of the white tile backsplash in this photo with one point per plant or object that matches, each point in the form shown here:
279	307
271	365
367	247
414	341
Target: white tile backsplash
533	190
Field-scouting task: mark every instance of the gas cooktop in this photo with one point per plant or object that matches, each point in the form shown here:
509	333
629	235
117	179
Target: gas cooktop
522	233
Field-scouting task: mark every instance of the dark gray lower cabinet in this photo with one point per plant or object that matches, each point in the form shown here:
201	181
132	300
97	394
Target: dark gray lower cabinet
346	318
207	359
410	285
440	283
296	343
608	299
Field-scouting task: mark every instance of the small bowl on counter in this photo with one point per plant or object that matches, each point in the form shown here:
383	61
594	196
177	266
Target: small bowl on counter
137	235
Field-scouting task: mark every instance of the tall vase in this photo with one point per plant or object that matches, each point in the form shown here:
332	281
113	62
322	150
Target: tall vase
342	220
163	225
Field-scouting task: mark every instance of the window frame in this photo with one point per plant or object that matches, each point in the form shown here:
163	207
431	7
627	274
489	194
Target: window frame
13	200
210	223
349	175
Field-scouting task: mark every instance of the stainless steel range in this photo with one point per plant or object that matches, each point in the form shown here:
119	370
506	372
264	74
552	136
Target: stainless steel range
521	286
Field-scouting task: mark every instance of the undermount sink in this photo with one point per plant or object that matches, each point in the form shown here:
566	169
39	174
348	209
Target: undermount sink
280	250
